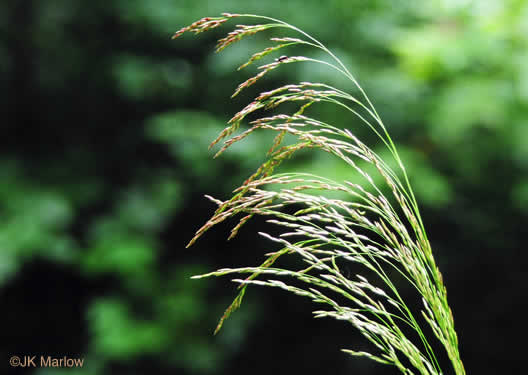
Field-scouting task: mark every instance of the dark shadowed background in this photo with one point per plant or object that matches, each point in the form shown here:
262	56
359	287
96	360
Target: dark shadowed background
105	123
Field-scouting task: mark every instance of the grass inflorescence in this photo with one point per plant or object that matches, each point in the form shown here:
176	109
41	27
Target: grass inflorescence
382	232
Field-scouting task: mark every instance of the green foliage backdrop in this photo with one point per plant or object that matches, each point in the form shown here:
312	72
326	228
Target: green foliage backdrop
104	163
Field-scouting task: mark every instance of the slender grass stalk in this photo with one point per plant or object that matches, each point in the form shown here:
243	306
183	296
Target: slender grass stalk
383	234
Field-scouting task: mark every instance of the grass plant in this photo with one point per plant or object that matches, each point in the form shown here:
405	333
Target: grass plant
377	225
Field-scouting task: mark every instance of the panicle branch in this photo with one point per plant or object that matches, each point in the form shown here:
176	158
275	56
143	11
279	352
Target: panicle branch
204	24
241	32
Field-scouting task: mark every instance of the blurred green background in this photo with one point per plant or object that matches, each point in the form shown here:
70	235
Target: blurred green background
104	164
